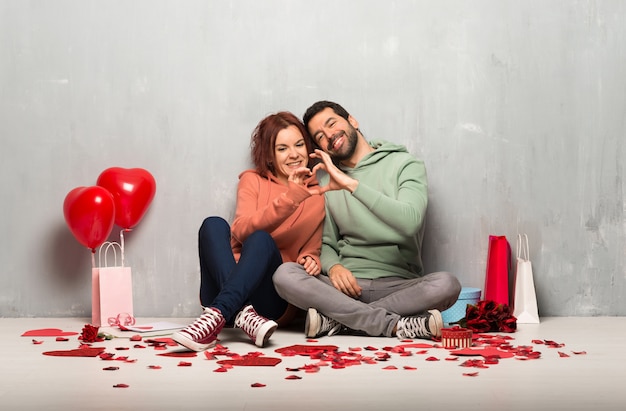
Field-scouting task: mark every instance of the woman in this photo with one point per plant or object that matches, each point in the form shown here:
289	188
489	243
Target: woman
278	219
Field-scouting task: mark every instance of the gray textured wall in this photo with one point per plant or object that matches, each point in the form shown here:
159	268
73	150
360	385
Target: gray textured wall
517	109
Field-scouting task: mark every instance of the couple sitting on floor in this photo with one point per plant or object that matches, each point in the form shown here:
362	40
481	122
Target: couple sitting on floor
346	250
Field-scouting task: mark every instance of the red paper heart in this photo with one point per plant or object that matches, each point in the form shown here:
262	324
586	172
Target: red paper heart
306	349
78	352
163	341
485	352
293	377
48	332
179	354
252	361
416	345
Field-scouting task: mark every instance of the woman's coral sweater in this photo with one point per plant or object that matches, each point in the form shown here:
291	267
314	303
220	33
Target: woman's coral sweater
291	215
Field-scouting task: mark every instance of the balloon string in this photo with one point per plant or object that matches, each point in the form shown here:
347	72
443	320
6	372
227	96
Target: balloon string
122	245
93	258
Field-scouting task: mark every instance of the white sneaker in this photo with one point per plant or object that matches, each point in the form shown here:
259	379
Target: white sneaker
427	326
318	325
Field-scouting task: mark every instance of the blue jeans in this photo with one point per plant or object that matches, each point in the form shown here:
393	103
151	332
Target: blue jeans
228	285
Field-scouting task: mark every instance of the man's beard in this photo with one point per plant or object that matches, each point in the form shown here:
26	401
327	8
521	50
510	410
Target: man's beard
348	148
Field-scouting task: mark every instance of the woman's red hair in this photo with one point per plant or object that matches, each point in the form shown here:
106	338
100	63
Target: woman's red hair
264	139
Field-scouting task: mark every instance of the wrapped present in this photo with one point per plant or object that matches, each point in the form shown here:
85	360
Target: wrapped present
456	337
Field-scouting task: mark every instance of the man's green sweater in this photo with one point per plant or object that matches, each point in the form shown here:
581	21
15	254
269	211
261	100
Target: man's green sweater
377	231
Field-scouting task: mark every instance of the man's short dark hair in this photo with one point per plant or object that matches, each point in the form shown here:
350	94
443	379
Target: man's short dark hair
321	105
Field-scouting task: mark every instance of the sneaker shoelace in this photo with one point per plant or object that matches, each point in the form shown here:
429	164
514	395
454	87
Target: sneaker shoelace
251	321
415	327
329	326
203	326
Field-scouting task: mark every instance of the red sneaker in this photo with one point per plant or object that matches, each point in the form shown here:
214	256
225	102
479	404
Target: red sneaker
202	333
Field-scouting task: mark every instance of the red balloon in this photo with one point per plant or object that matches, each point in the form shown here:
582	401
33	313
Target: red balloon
133	190
89	213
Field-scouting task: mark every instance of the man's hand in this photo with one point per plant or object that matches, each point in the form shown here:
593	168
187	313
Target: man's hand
338	179
310	266
343	280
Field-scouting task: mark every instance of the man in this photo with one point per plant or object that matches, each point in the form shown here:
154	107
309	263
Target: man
373	279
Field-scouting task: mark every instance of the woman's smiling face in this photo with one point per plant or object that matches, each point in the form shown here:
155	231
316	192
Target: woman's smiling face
290	152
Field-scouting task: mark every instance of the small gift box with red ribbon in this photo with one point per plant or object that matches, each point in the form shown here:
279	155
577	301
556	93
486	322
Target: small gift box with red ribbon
456	337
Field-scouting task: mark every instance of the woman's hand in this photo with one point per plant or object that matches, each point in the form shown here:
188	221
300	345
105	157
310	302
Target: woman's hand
301	176
310	266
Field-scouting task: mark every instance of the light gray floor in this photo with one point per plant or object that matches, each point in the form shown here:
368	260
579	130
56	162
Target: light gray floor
593	381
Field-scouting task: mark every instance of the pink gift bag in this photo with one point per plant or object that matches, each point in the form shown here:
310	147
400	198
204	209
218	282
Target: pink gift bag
498	267
111	289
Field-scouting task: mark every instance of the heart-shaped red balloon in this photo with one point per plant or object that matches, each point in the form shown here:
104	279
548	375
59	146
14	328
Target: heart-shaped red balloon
133	190
89	213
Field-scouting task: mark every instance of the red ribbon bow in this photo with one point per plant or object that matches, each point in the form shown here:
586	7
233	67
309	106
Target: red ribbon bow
124	319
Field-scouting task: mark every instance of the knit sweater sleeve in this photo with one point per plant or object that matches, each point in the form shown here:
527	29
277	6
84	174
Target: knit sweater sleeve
253	213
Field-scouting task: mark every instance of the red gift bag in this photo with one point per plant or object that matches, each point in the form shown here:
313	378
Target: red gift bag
498	268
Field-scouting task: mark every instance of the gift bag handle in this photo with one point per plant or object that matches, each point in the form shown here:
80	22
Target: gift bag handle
108	245
523	250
